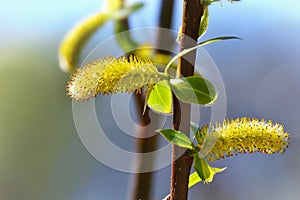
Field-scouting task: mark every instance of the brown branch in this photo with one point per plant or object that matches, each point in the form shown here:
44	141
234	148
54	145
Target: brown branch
141	185
165	21
142	181
181	161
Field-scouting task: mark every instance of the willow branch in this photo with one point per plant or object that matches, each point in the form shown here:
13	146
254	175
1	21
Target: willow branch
181	161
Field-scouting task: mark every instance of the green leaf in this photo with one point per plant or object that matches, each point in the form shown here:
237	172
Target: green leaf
160	98
194	127
201	167
176	137
204	22
194	179
202	171
186	51
194	89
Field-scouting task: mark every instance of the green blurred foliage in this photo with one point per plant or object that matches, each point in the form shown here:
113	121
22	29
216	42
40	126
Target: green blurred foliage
35	120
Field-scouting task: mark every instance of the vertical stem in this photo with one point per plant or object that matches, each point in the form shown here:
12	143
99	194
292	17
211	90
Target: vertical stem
142	182
165	21
141	185
181	161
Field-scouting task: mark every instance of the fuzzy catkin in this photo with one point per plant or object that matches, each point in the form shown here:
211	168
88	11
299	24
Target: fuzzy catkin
243	135
111	75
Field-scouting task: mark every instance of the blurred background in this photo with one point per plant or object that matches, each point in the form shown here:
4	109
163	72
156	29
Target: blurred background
41	156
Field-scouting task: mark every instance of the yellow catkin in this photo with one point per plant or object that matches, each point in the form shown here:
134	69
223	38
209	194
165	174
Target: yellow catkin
127	75
84	81
111	75
74	40
244	135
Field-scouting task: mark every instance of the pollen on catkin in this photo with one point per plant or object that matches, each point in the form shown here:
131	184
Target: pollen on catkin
125	75
244	135
111	75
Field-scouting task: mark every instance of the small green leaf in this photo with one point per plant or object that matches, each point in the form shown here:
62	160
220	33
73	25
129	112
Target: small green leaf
202	171
194	127
194	89
160	98
204	22
201	167
176	137
194	179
